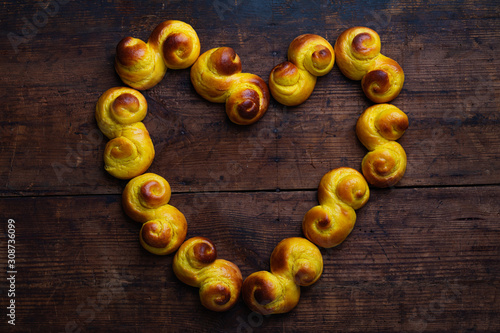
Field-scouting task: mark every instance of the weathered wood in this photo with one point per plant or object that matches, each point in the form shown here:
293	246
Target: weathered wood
50	142
405	267
424	256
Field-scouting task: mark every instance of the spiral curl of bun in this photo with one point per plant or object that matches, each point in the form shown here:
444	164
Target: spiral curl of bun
219	280
340	192
358	56
293	81
377	128
295	262
119	112
217	77
172	44
145	200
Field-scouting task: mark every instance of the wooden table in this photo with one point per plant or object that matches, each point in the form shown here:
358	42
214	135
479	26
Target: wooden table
424	256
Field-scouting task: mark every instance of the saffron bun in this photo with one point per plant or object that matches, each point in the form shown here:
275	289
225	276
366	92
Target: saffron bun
119	114
341	191
357	51
172	44
293	81
145	200
217	77
196	264
295	262
378	128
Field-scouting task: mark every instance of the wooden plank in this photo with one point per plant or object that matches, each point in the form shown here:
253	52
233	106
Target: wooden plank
434	266
49	139
420	258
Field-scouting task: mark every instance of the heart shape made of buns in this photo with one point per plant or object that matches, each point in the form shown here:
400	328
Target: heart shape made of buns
217	76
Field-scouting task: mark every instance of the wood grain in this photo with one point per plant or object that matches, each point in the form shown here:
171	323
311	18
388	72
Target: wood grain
434	265
424	256
51	140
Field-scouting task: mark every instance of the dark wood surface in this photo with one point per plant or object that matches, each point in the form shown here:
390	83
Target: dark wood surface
424	256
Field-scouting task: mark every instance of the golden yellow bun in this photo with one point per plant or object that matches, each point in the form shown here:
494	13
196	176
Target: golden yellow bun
217	77
164	234
357	51
219	280
266	293
294	262
293	81
143	196
377	128
328	226
145	200
172	44
119	112
340	192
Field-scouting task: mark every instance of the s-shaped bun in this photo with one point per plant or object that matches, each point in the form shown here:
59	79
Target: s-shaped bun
293	81
377	128
295	262
341	191
217	77
119	112
358	56
219	280
172	44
